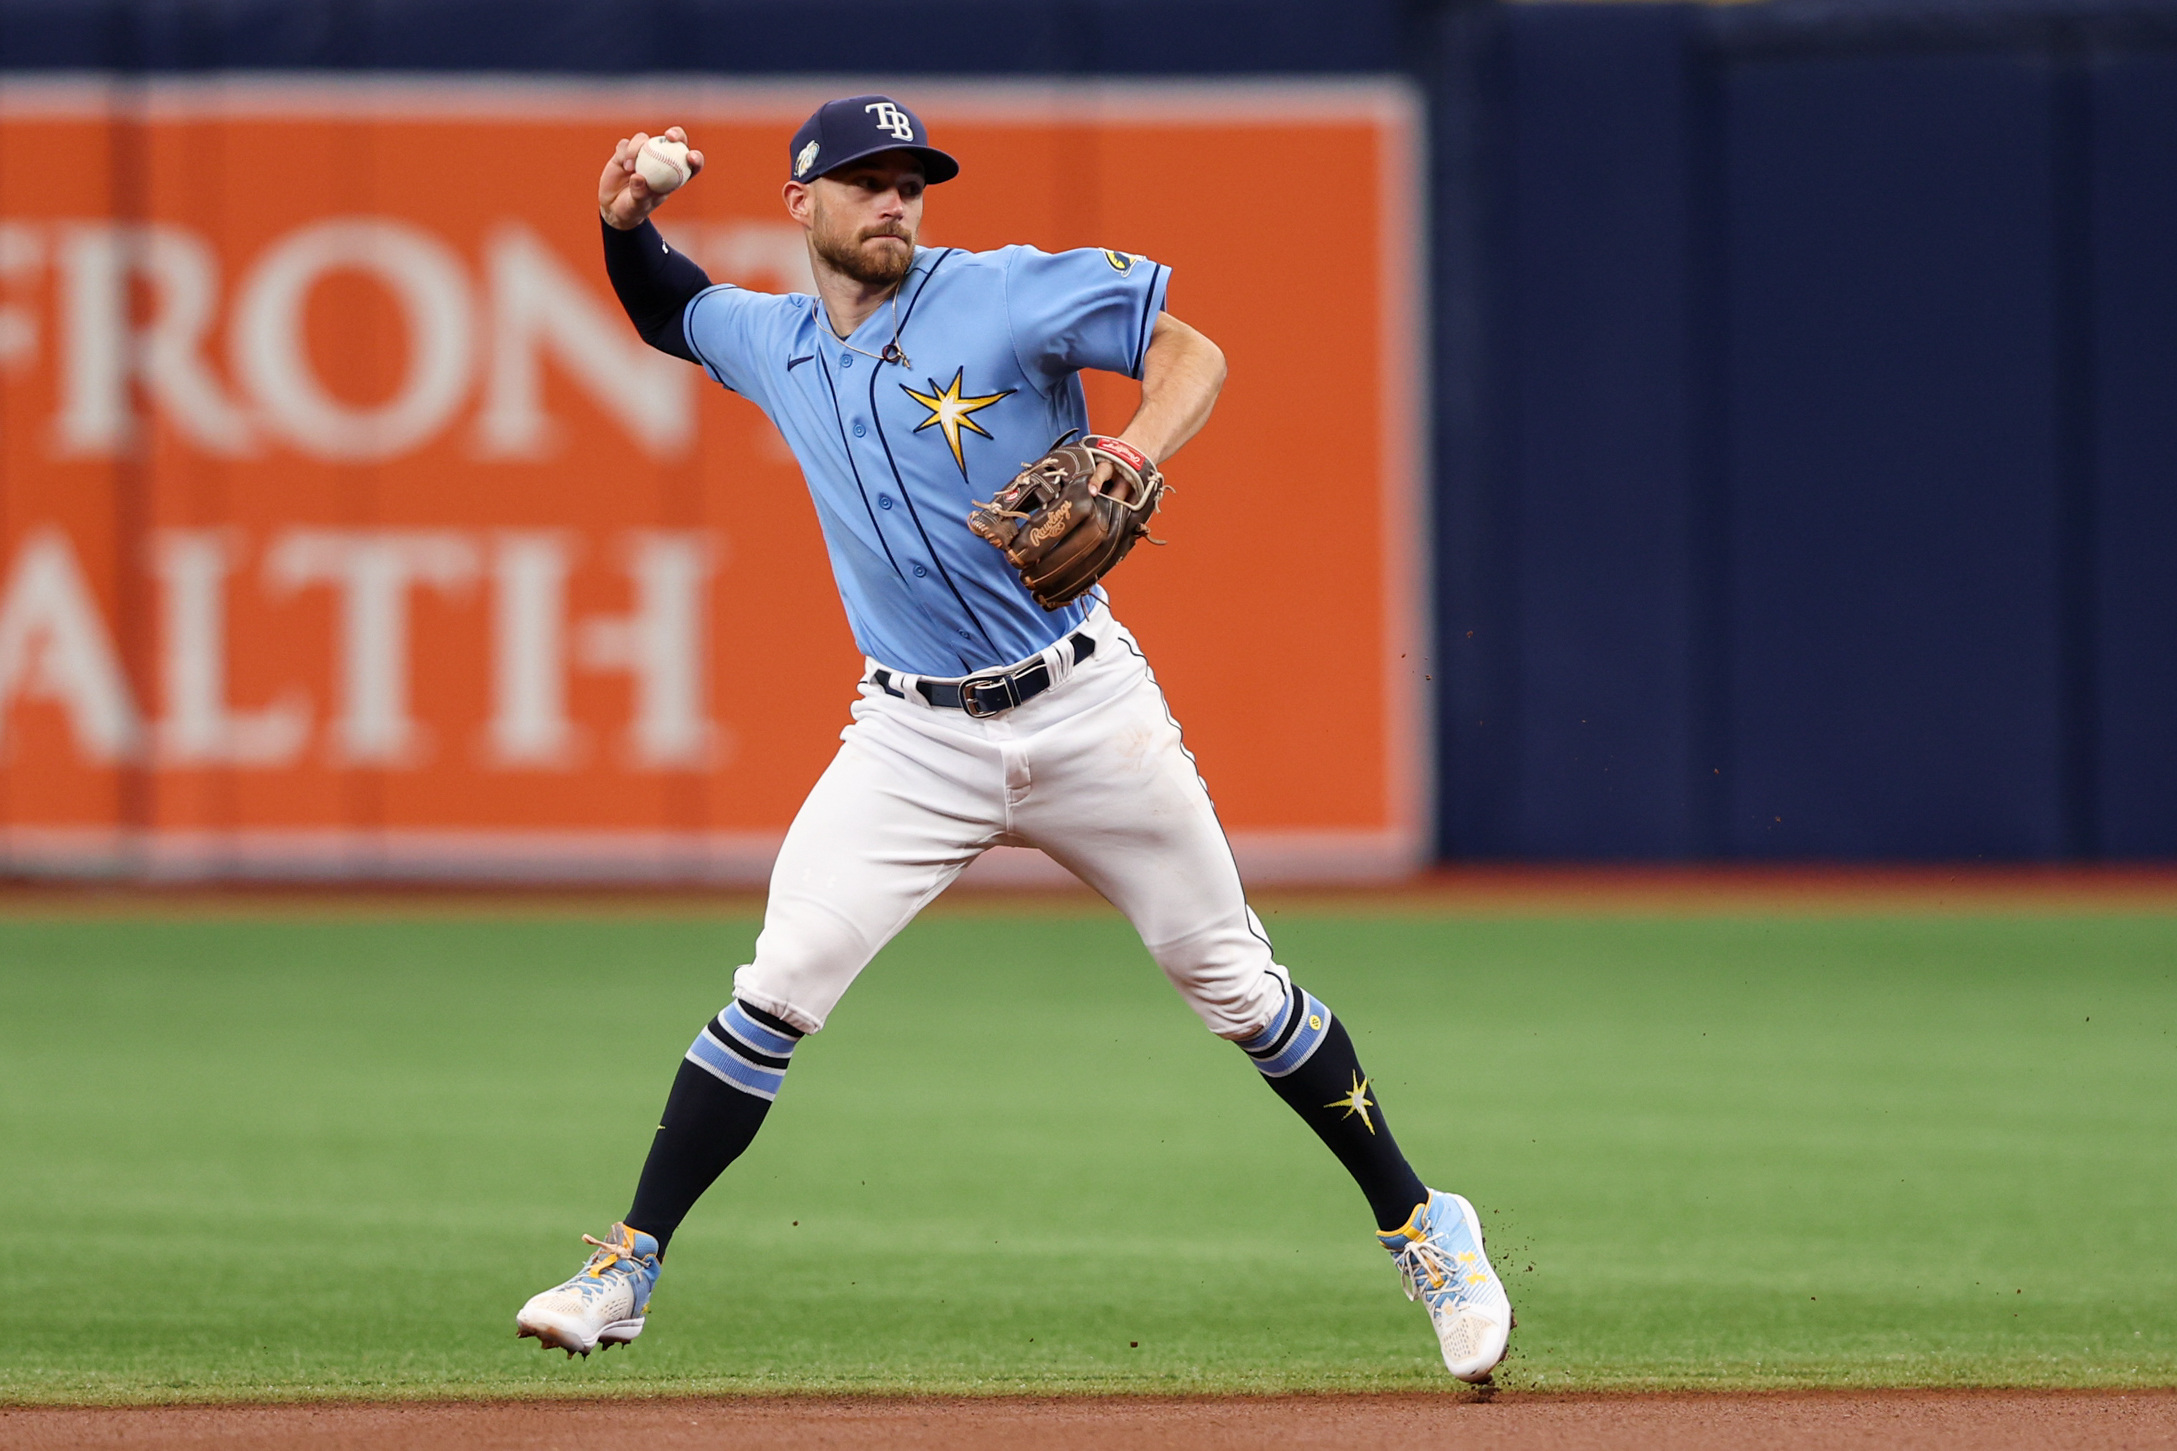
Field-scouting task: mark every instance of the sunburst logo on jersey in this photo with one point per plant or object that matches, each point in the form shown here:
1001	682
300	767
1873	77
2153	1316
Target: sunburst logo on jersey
1356	1101
950	412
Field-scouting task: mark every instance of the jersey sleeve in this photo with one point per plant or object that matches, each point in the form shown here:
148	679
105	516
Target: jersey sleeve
726	328
1082	309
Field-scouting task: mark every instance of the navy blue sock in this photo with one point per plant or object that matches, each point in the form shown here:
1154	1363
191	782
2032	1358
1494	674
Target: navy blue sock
725	1086
1308	1060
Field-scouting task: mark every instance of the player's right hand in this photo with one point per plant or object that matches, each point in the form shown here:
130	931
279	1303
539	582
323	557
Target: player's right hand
623	197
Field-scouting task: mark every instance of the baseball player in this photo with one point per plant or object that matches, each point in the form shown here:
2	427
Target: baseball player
1001	703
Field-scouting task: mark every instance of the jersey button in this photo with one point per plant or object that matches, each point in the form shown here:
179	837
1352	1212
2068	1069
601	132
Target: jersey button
859	430
920	572
884	501
846	360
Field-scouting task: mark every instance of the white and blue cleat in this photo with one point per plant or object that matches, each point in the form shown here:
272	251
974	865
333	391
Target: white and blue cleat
1439	1255
602	1306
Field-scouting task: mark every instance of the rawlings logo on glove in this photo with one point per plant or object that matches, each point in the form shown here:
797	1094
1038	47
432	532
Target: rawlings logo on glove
1062	529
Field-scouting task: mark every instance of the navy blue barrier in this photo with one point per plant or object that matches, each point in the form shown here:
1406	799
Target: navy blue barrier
1808	386
1805	375
631	37
2133	529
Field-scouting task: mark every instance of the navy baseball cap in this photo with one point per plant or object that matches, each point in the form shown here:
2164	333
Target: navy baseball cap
847	130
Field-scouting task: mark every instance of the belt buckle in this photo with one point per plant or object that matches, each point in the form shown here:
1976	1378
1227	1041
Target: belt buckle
971	701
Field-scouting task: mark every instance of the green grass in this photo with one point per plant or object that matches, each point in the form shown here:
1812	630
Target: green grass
280	1158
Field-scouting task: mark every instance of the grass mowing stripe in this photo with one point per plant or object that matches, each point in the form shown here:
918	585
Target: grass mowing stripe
283	1158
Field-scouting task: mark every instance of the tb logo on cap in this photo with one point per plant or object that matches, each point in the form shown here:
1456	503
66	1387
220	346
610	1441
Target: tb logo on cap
891	118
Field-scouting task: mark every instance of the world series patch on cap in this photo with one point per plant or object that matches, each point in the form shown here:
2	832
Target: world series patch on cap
846	131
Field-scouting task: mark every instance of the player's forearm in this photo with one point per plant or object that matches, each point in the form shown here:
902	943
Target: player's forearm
1181	376
654	284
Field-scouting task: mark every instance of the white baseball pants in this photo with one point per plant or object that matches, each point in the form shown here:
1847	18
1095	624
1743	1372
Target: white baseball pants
1092	772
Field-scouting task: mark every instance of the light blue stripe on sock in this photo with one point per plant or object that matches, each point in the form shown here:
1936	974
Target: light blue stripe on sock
1314	1023
722	1063
755	1034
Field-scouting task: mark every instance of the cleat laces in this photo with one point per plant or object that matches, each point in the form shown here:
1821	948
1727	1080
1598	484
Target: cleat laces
609	1253
597	1277
1424	1259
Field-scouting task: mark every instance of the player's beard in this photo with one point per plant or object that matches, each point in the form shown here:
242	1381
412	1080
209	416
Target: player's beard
872	267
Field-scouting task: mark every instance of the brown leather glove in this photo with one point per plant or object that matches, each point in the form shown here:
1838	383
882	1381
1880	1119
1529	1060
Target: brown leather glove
1059	527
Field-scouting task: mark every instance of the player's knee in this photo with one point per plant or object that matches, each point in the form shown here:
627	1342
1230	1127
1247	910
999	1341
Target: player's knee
806	958
1228	979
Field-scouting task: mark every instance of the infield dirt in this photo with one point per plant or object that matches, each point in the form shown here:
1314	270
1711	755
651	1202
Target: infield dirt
1986	1420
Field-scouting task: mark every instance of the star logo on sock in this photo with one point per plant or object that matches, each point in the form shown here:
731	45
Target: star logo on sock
1356	1101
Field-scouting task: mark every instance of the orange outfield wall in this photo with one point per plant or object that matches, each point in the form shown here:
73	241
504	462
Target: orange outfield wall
346	529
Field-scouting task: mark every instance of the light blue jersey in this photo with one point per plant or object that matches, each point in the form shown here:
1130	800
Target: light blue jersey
894	455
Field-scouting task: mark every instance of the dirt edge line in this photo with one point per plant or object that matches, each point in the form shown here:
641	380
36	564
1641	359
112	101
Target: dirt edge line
1818	890
812	1399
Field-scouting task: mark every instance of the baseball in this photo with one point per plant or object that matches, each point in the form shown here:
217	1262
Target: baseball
662	164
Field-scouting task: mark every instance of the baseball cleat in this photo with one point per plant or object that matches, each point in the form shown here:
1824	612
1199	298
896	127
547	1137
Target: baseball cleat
1439	1255
602	1306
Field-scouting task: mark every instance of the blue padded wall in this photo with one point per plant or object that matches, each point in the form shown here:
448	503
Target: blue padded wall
1805	374
2134	534
1892	662
1600	425
1807	396
632	37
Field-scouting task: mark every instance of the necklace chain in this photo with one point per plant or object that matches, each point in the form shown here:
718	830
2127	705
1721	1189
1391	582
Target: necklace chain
891	352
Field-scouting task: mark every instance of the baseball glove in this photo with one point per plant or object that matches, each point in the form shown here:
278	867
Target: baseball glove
1059	527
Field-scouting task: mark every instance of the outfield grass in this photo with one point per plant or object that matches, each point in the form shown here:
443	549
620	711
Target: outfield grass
268	1158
